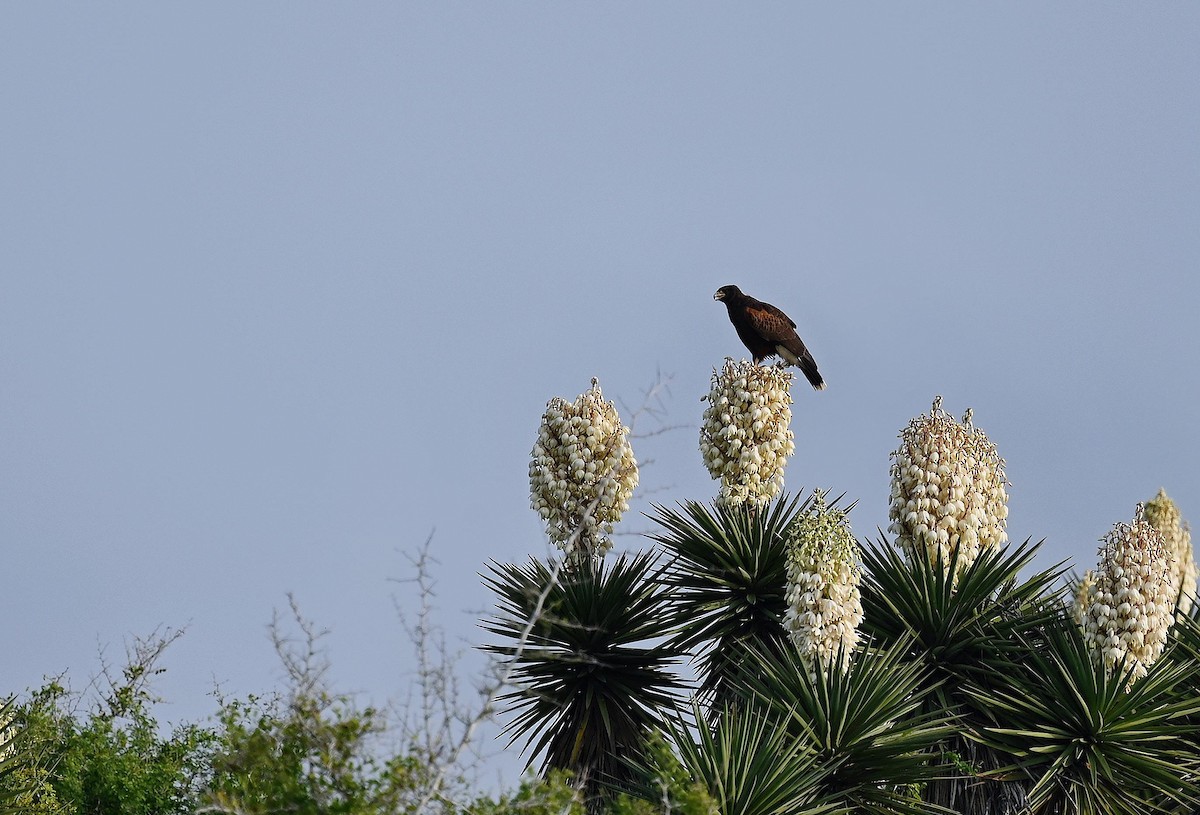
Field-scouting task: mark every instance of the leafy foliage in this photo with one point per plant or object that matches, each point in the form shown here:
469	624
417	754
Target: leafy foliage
310	755
310	751
554	794
113	762
665	787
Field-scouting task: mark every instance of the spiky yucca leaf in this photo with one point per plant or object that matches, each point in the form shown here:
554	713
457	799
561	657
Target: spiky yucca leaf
1183	648
728	575
865	724
750	763
957	629
591	674
1090	742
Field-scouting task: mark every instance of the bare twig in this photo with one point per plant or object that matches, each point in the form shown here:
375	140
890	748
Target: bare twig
432	713
121	694
652	407
306	665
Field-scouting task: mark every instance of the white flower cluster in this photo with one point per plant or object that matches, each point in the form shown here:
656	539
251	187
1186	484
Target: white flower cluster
948	489
1131	602
1164	516
1083	597
8	735
746	436
824	605
582	472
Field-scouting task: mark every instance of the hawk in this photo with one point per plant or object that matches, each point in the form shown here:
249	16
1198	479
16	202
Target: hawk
768	332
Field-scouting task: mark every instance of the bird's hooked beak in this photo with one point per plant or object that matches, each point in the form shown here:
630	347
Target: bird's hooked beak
720	295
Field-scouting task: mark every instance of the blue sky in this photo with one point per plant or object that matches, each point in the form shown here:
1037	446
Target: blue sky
286	287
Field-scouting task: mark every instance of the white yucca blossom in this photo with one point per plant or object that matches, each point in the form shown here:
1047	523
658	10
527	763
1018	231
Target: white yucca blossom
582	472
1162	513
1083	597
746	436
8	735
1131	602
948	490
824	605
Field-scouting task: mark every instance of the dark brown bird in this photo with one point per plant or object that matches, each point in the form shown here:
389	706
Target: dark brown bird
768	332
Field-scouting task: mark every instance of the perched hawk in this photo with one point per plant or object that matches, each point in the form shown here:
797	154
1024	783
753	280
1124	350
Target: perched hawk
767	331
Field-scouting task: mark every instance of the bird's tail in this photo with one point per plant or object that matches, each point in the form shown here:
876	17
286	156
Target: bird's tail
808	367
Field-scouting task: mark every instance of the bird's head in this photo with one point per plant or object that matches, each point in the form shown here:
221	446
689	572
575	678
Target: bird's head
728	293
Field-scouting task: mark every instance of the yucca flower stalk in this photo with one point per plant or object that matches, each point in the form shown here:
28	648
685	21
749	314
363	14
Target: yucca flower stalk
1164	516
1132	603
745	435
948	500
582	472
824	605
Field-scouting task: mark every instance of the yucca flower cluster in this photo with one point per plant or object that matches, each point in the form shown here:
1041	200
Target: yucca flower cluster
8	735
948	489
824	605
1083	597
582	472
1164	516
1131	604
745	434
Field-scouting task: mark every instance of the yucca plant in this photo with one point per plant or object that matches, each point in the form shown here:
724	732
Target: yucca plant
957	629
962	624
590	672
1089	740
865	724
727	573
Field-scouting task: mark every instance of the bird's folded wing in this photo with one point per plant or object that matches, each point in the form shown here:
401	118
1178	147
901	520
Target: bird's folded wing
771	323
